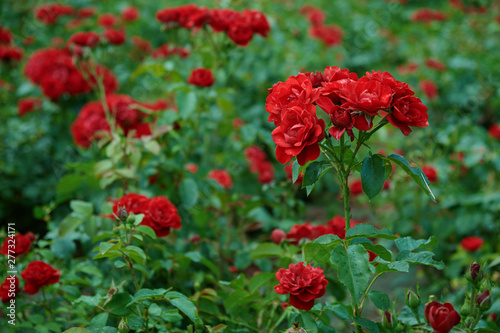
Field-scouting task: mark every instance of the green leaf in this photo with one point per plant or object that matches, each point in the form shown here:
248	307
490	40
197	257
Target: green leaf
414	172
410	244
147	294
69	224
77	330
68	184
259	280
295	172
370	325
171	315
82	207
146	230
266	250
186	102
319	250
373	175
127	173
63	248
185	306
102	166
396	266
309	322
379	250
422	258
89	300
339	310
235	299
366	230
380	299
314	172
353	268
188	191
134	252
153	146
118	305
100	320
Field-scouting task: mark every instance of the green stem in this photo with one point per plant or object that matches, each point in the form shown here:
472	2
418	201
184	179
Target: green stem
472	300
366	292
347	206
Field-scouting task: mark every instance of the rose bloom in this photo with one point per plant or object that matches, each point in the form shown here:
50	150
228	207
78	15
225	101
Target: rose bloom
337	224
277	236
222	177
442	317
431	173
409	68
303	283
221	18
429	88
10	53
265	170
132	202
106	20
39	274
89	39
258	22
6	292
366	94
408	111
86	12
22	244
356	187
161	216
240	32
494	131
28	104
298	134
306	231
130	14
5	35
201	77
115	37
472	243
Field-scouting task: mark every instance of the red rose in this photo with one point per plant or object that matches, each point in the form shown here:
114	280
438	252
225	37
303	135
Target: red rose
330	35
258	22
86	12
9	289
221	19
254	155
141	43
115	37
431	173
365	94
342	119
191	167
38	274
335	79
435	64
472	243
427	15
10	53
106	20
494	131
408	111
161	216
130	14
295	88
240	32
222	177
133	203
265	171
201	77
88	39
5	35
277	236
28	104
303	283
356	187
90	124
299	134
337	224
49	13
289	174
429	88
442	317
410	68
22	244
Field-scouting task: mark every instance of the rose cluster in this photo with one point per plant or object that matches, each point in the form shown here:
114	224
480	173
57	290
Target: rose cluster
167	50
239	27
91	122
53	69
331	35
22	244
303	283
159	213
8	52
259	164
50	13
350	101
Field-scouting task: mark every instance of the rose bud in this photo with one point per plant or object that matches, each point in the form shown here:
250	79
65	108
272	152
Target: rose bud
123	326
387	319
412	300
277	236
474	273
122	214
465	310
484	300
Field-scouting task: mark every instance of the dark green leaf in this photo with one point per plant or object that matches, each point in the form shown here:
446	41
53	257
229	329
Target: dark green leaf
368	231
188	191
320	252
380	299
266	250
373	175
186	102
313	174
422	258
410	244
146	230
82	208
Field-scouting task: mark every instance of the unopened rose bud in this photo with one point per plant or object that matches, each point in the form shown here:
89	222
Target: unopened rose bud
484	300
412	300
131	219
123	326
277	236
474	273
465	310
387	319
296	328
493	316
122	214
399	328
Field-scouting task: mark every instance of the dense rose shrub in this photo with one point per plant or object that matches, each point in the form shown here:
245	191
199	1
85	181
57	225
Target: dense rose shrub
10	53
88	39
22	245
37	275
442	317
303	283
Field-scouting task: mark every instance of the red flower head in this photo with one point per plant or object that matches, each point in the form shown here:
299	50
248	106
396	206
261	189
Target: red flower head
356	187
5	35
161	216
277	236
367	95
429	88
494	131
201	77
132	202
107	20
39	274
435	64
337	224
90	124
28	104
298	134
49	13
472	243
342	119
254	155
295	88
130	14
191	167
115	37
314	15
303	283
86	12
258	22
427	15
88	39
408	111
442	317
265	171
335	79
431	173
240	32
330	35
10	53
221	19
141	43
9	289
221	177
22	244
